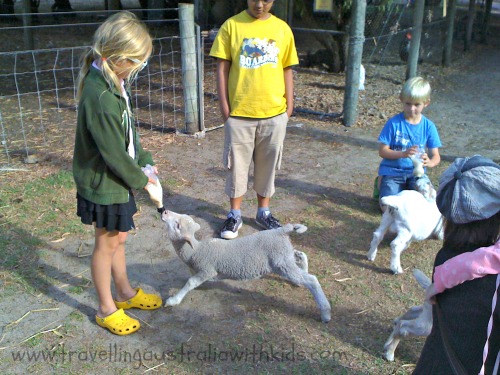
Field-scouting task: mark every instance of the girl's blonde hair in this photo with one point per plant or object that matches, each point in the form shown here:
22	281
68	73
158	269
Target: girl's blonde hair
416	89
122	36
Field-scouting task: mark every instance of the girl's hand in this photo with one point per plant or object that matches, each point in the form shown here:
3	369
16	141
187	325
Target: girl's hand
155	170
152	173
151	180
155	191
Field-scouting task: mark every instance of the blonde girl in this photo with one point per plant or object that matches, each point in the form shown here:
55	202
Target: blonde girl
107	163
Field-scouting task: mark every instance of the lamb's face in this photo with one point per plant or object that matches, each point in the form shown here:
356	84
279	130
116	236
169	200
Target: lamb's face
179	227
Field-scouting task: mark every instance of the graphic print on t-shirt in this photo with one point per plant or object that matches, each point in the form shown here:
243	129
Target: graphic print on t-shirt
256	52
401	141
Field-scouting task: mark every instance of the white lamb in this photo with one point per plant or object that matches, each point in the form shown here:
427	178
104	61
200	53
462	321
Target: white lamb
417	321
412	217
244	258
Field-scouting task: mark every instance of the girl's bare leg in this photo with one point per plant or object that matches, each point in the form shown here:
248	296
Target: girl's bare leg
108	260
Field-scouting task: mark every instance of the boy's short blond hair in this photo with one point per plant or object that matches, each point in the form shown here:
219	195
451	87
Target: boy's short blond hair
416	89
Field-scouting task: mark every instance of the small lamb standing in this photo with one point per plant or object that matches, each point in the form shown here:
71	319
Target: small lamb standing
244	258
412	217
417	321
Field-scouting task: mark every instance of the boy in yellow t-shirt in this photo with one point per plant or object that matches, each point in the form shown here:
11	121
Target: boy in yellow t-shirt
255	51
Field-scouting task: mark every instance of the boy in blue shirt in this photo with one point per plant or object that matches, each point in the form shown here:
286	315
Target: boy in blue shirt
404	137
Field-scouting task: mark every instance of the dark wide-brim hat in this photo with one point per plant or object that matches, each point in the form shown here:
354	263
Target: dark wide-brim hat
469	190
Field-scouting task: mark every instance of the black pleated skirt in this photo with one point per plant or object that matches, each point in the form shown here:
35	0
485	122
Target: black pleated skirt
112	217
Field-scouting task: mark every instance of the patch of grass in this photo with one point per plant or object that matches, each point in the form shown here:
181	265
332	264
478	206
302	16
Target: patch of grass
60	367
34	341
76	289
19	263
206	208
171	183
45	207
12	283
17	259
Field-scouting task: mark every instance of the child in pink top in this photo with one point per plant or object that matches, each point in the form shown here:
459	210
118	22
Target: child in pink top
465	267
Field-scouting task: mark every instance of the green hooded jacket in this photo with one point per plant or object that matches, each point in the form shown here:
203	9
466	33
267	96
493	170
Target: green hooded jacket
103	170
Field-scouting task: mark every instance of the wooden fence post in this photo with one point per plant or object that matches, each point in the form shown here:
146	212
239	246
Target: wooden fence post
486	21
29	44
189	67
471	15
450	21
356	40
416	34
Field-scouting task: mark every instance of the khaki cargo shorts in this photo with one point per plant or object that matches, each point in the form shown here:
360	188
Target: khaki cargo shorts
257	140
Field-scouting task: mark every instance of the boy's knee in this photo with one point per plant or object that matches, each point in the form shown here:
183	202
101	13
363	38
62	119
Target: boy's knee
391	185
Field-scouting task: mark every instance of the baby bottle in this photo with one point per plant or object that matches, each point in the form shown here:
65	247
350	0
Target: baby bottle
418	166
155	190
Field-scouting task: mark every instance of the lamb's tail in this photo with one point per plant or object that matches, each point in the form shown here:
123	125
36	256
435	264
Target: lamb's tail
299	228
421	278
391	201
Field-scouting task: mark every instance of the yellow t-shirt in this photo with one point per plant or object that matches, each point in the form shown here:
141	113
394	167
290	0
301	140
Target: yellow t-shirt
259	50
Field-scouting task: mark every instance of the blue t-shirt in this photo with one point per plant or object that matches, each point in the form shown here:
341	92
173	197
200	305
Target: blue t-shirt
400	135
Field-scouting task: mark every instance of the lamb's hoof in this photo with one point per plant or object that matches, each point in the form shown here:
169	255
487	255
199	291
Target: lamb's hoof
171	302
326	316
396	270
389	356
371	255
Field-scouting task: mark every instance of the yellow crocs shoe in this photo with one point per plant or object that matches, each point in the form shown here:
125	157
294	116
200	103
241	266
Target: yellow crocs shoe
118	323
141	301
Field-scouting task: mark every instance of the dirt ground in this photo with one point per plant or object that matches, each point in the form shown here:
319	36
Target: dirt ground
326	183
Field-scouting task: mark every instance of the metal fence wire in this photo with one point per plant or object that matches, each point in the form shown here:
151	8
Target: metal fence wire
37	87
321	40
38	91
319	33
388	34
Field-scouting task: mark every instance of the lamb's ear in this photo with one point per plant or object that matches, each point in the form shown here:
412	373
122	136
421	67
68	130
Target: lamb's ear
192	228
189	227
196	227
188	237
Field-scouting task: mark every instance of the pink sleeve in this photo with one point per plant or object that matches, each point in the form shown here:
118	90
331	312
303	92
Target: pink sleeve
467	266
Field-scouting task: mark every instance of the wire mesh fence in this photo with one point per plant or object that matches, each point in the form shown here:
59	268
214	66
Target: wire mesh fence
38	97
212	116
322	40
37	87
388	35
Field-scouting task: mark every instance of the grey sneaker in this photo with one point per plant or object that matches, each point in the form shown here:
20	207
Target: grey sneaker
231	227
267	221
